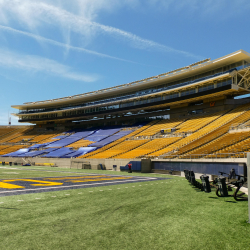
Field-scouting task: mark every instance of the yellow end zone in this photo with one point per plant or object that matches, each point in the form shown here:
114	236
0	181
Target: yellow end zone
45	182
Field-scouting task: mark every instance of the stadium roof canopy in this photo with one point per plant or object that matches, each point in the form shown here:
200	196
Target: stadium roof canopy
227	76
175	75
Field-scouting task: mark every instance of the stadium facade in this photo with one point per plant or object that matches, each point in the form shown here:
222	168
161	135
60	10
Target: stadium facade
198	88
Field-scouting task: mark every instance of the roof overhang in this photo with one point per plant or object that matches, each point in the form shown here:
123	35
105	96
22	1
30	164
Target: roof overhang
142	84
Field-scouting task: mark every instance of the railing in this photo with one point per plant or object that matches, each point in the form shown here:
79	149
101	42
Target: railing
236	127
151	137
209	156
16	143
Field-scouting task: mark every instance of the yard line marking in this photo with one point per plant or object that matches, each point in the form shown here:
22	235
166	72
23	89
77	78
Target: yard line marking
90	191
37	198
67	194
126	187
110	189
19	200
53	196
133	186
118	188
139	185
1	202
79	193
100	190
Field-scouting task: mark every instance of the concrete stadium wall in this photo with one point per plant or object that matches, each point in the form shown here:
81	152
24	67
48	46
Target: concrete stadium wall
59	162
75	163
210	168
108	163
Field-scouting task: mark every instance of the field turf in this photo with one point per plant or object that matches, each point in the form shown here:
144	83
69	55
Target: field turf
162	214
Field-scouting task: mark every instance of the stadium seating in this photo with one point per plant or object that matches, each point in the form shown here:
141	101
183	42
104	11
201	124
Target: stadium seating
195	135
135	130
149	147
119	149
219	143
196	123
11	149
5	131
219	127
15	134
80	143
58	153
155	127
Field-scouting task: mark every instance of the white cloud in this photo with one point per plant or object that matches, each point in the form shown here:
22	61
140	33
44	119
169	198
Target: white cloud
12	60
81	20
63	45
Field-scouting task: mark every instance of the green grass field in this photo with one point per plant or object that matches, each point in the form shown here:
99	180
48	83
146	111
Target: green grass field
163	214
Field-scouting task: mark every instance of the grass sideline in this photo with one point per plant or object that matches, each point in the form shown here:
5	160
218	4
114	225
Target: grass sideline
164	214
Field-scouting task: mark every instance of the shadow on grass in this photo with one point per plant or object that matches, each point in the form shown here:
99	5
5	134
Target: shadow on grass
10	208
213	197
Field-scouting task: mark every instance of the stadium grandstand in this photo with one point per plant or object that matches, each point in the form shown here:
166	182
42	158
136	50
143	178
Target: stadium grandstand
194	112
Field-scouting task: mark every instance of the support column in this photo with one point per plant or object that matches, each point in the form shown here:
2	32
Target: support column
248	181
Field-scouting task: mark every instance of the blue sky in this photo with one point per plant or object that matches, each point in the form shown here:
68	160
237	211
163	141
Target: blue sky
51	49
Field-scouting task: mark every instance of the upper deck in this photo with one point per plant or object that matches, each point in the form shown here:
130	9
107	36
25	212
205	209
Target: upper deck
169	79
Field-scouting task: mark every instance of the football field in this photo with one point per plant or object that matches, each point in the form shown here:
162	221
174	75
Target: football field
87	209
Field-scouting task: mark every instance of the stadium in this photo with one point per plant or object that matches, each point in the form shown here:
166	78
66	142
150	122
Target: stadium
188	113
196	117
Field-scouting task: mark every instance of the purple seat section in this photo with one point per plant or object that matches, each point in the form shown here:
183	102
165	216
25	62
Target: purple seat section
81	134
63	142
102	134
110	139
35	146
17	153
61	152
81	151
39	152
69	139
38	146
